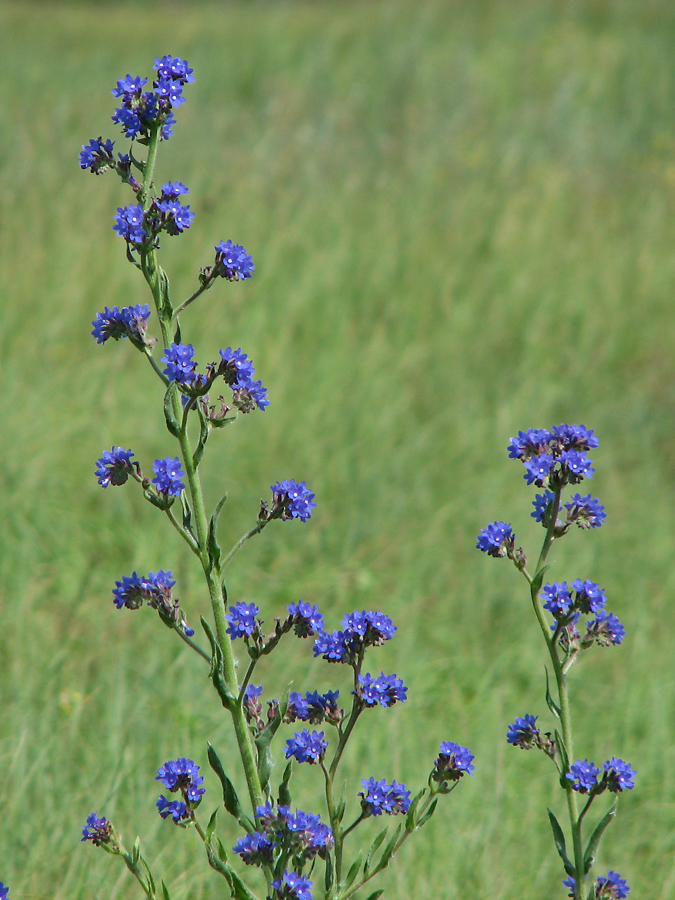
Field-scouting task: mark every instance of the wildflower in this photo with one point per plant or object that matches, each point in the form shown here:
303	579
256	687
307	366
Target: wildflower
583	775
306	746
255	848
292	887
523	733
538	469
180	365
611	887
292	500
557	599
97	830
385	690
168	474
605	630
232	261
554	458
307	620
97	155
586	511
379	797
453	762
182	775
496	540
542	504
129	221
115	466
130	321
331	646
590	598
174	808
242	620
619	775
237	370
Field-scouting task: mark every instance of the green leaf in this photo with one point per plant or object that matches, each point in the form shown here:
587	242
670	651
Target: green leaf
564	758
375	895
328	877
216	671
353	871
373	847
204	430
211	827
187	513
172	422
388	851
285	798
412	810
136	851
165	892
538	579
550	702
212	544
423	819
221	423
561	847
589	855
230	798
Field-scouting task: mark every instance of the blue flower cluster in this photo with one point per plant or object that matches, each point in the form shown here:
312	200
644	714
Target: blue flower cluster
292	887
232	262
165	213
4	891
115	466
97	830
180	364
290	500
379	797
155	589
524	733
618	776
238	371
306	619
609	887
130	321
384	690
453	762
586	512
306	746
358	630
144	112
242	621
313	707
180	776
588	599
282	835
497	540
168	474
554	458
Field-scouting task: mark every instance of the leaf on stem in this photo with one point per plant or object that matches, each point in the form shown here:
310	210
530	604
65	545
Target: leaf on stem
172	423
284	798
538	579
594	841
561	847
353	871
328	876
424	818
550	702
388	851
211	827
373	848
230	798
165	892
216	673
204	431
412	810
375	895
212	545
564	758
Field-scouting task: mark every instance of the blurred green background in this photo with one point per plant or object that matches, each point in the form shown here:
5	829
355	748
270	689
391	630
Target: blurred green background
462	219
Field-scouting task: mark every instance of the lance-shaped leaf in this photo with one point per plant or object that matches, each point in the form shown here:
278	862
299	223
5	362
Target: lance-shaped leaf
564	758
550	702
218	861
328	876
284	797
136	851
212	544
172	423
373	848
594	840
204	431
424	818
165	892
538	579
561	847
375	895
412	810
264	739
216	673
388	851
211	827
353	871
230	798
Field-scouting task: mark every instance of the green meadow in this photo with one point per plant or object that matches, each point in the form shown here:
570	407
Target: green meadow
462	216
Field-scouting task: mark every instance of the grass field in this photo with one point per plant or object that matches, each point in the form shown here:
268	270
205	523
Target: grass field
462	216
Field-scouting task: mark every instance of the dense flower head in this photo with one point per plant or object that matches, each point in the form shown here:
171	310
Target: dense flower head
524	732
369	628
604	630
292	500
453	762
586	511
384	690
144	112
97	830
496	540
589	597
237	370
306	746
242	621
619	776
255	848
313	707
180	364
182	775
611	887
168	474
177	809
292	887
307	620
129	222
97	155
130	321
155	588
115	466
583	775
557	599
554	458
171	216
175	68
233	262
379	797
331	646
299	835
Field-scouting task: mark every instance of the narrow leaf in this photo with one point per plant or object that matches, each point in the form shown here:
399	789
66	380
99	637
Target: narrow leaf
165	892
136	851
550	702
212	544
375	895
328	878
412	810
591	849
388	851
285	798
204	430
538	579
373	847
423	819
564	758
353	871
211	827
172	423
559	840
230	798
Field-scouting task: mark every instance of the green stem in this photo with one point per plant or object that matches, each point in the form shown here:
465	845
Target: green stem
335	825
181	634
240	543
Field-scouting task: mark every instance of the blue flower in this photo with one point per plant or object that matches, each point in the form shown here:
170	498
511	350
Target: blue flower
541	505
529	443
496	540
557	599
129	221
232	261
97	155
611	887
115	466
306	746
576	465
331	646
180	365
4	891
131	592
583	775
590	598
242	620
574	437
379	797
538	469
586	511
237	370
174	808
182	775
307	620
130	321
453	762
168	474
292	887
255	848
384	690
605	630
524	733
555	457
619	775
292	500
97	830
175	68
173	189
